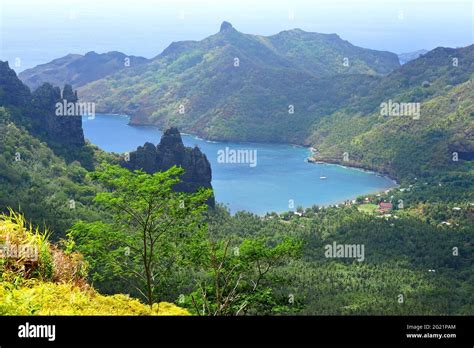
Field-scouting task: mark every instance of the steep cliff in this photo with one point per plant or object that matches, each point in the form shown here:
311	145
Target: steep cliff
38	113
60	128
37	110
169	152
12	91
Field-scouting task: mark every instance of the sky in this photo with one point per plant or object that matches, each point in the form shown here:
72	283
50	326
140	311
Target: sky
33	32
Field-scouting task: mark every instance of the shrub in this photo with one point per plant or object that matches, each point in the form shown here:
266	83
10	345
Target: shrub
26	253
37	277
47	298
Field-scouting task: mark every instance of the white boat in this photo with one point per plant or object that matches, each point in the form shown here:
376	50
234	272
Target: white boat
322	177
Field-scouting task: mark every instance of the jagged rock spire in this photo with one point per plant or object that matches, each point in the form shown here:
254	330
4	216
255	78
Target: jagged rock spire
169	152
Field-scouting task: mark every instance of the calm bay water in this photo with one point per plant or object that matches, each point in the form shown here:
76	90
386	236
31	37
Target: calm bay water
281	175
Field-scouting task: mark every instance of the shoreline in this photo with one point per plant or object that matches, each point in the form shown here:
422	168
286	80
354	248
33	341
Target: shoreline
311	159
200	137
352	165
358	167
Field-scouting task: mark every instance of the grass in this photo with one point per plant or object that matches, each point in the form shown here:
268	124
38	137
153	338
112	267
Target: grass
368	208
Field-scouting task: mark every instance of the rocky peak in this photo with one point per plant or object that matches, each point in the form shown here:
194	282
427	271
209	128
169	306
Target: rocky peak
170	152
226	26
38	109
171	140
91	54
65	130
12	90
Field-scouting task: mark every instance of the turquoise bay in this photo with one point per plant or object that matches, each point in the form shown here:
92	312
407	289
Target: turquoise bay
282	175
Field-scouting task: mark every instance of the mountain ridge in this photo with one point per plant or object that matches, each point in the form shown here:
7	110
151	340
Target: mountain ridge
205	87
78	70
407	56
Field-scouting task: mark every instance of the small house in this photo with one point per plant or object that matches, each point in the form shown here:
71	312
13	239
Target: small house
385	207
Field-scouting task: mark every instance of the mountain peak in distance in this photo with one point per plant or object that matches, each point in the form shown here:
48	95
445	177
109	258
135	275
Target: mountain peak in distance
225	26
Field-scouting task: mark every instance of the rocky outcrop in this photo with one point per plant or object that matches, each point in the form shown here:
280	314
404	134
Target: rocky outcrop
226	26
169	152
63	128
38	110
38	113
12	91
463	145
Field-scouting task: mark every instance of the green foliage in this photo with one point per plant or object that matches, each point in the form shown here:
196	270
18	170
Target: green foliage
237	280
157	240
249	102
46	298
368	208
141	237
39	184
26	253
77	69
403	147
399	252
146	240
42	279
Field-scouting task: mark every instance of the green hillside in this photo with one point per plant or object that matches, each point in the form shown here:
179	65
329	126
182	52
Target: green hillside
235	86
77	70
418	258
399	145
325	54
39	183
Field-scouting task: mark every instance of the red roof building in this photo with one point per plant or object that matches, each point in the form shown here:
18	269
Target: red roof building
385	207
